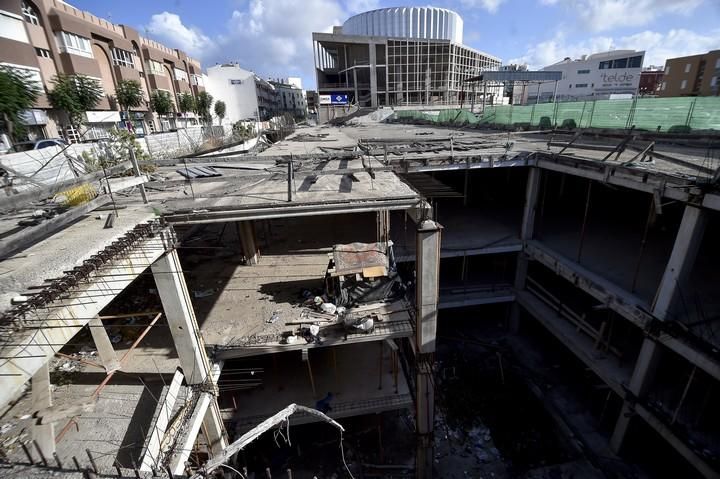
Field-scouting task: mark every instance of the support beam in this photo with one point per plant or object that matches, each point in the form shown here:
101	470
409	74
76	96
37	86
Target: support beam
82	303
185	332
246	232
104	346
427	295
527	231
383	226
185	445
673	283
43	434
151	457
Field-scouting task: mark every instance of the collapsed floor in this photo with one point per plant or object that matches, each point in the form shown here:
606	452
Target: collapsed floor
576	327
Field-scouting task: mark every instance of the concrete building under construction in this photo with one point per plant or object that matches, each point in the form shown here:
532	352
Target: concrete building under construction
566	282
396	56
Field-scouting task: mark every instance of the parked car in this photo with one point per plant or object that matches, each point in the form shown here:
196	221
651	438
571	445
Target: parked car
37	145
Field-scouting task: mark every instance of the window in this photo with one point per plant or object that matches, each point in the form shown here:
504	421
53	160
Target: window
180	74
197	80
12	27
30	14
620	63
635	62
717	64
123	58
605	65
688	66
234	82
32	74
581	85
663	85
155	68
683	85
75	44
41	52
713	82
583	72
667	69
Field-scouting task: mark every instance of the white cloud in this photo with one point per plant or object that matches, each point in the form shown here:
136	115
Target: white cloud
270	37
168	27
658	46
603	15
359	6
489	5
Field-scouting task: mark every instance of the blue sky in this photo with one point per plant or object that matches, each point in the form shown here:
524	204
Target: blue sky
273	37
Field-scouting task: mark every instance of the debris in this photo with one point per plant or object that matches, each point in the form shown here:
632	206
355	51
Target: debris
192	172
328	308
5	428
204	293
275	316
19	299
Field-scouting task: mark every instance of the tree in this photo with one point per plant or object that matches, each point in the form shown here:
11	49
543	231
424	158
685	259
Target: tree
220	110
129	94
161	103
17	93
75	94
203	102
186	103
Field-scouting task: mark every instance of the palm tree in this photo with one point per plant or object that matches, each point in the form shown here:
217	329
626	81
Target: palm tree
220	110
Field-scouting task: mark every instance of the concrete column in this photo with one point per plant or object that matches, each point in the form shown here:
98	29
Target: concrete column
43	434
427	292
246	232
373	75
104	345
674	281
383	226
151	457
185	332
527	230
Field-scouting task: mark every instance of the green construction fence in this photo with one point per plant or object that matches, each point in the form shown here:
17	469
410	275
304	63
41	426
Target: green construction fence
654	114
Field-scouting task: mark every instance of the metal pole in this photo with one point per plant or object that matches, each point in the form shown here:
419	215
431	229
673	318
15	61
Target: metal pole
290	175
136	167
585	217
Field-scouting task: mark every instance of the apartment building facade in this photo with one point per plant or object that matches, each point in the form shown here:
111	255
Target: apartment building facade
291	98
694	75
246	95
44	38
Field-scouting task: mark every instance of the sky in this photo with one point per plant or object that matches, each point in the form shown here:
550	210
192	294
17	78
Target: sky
273	37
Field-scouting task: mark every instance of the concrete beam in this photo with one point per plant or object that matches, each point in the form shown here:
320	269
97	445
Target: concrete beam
682	259
82	304
527	231
185	445
104	346
43	434
615	175
189	345
152	455
674	281
608	372
622	302
246	231
427	264
427	279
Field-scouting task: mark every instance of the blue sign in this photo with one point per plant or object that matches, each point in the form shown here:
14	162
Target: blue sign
337	99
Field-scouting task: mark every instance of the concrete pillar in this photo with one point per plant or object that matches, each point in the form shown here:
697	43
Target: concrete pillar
673	283
185	332
104	346
427	292
43	434
383	226
527	230
246	232
373	75
151	457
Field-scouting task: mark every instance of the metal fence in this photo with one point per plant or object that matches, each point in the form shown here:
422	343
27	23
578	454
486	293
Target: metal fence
654	114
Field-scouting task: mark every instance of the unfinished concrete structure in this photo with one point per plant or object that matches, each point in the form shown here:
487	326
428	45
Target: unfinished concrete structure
600	249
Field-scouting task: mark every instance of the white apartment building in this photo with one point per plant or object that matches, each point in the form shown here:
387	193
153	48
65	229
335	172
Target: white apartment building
612	74
246	95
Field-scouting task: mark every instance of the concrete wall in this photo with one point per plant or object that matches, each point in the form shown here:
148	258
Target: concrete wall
240	98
